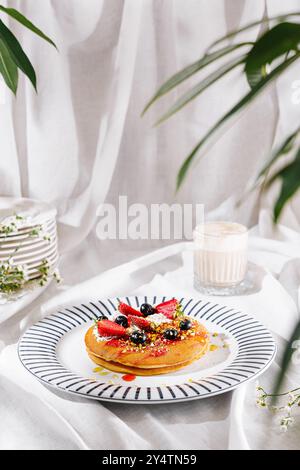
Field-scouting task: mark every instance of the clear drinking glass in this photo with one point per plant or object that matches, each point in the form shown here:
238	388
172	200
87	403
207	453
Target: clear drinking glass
220	257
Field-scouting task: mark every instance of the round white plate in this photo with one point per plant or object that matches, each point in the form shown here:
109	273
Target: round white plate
53	351
33	211
23	235
30	255
28	258
35	273
25	238
27	246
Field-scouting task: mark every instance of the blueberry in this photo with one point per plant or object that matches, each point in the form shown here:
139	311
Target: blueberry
185	324
171	334
147	309
138	337
122	320
101	317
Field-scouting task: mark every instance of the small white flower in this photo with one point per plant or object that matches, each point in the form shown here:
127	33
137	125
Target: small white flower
42	233
285	421
292	397
261	403
274	409
289	421
57	276
258	391
288	408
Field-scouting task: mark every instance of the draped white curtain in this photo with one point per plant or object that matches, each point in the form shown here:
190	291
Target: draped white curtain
81	141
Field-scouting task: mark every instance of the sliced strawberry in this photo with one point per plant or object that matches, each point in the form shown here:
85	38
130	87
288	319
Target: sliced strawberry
168	305
168	313
110	328
167	308
127	310
140	322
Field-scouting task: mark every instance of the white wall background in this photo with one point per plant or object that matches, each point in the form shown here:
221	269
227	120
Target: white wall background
80	141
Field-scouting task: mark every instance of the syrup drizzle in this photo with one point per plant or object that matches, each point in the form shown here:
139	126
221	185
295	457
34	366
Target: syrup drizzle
129	377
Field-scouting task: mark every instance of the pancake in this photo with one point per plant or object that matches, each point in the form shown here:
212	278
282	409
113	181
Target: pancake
123	369
157	355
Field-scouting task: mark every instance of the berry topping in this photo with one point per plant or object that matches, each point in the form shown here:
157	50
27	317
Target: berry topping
122	320
170	334
138	337
101	317
140	322
185	324
127	310
147	309
110	328
168	308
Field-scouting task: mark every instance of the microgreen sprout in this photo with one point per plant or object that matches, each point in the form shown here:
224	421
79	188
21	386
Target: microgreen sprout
15	276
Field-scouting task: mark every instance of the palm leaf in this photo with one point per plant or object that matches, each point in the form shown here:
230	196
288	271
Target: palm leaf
256	76
25	22
238	107
8	68
273	44
200	87
232	34
16	52
290	177
283	149
190	70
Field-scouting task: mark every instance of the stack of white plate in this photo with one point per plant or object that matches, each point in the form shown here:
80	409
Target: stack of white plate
33	239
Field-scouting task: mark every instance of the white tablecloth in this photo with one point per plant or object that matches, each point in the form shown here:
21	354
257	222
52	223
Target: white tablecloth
34	417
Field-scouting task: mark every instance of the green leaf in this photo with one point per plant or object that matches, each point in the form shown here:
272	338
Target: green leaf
200	87
25	22
290	177
238	107
283	149
271	45
232	34
16	52
287	359
8	68
255	76
190	70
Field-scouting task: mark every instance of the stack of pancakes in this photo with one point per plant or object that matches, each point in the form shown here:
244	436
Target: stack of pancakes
117	355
